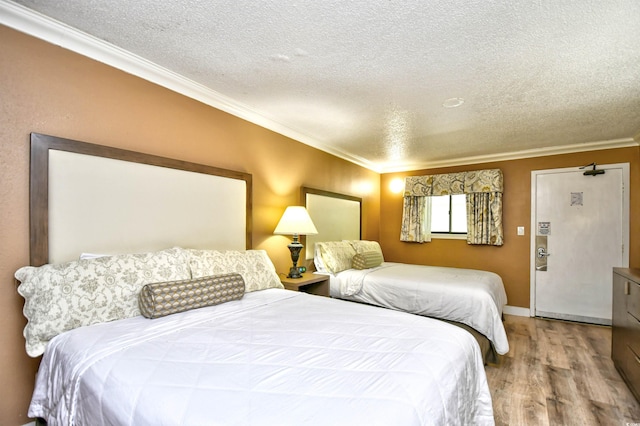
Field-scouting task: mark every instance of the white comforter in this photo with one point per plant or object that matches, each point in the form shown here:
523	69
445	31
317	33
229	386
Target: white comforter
472	297
273	358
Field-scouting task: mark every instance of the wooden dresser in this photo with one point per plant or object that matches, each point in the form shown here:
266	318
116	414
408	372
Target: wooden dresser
625	339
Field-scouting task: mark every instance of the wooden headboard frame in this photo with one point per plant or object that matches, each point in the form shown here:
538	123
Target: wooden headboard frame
39	183
333	198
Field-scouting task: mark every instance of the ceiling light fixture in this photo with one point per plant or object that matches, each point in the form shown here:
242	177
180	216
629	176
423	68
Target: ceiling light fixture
453	102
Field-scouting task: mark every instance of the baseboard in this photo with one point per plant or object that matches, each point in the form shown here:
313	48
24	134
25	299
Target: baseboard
517	311
574	318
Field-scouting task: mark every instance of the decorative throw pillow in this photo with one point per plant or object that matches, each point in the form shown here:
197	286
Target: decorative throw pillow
361	246
160	299
336	255
255	266
366	260
68	295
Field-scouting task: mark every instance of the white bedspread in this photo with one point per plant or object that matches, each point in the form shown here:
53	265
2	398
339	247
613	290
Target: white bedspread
472	297
275	357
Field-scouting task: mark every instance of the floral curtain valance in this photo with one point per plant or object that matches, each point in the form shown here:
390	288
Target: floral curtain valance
483	189
454	183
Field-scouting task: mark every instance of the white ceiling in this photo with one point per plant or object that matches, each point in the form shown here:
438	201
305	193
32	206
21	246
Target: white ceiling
368	80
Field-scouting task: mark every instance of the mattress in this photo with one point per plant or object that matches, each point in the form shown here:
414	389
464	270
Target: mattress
275	357
472	297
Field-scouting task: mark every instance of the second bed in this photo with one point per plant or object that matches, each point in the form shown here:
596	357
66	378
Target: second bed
472	298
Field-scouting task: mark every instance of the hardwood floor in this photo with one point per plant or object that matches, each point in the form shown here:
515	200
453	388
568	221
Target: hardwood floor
559	373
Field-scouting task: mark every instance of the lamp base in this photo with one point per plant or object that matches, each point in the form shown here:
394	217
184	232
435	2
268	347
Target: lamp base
294	272
294	248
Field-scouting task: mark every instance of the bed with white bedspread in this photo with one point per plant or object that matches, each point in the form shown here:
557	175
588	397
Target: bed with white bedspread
119	347
471	297
273	358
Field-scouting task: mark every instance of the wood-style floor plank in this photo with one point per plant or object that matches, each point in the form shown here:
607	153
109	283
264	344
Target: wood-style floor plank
559	373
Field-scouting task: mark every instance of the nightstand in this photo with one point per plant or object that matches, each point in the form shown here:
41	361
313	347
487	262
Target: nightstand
309	283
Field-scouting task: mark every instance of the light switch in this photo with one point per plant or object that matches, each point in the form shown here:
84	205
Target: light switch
520	230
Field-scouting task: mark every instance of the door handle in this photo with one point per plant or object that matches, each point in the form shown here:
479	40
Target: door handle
542	253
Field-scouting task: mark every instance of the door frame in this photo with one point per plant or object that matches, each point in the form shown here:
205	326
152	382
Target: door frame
625	220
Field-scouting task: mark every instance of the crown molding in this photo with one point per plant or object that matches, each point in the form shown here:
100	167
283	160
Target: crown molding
45	28
518	155
52	31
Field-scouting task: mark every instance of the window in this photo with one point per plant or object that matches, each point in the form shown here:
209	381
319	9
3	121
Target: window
482	191
449	214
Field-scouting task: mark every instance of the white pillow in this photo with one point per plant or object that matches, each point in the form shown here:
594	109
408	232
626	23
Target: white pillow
336	255
91	255
317	260
255	266
65	296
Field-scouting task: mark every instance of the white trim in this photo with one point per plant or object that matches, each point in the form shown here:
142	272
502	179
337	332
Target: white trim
532	239
30	424
40	26
575	318
30	22
518	155
516	310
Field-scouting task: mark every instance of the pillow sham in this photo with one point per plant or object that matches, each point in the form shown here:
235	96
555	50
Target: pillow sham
161	299
65	296
361	246
367	260
255	266
336	255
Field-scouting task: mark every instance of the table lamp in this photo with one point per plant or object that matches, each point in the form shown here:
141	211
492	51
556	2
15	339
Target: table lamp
295	221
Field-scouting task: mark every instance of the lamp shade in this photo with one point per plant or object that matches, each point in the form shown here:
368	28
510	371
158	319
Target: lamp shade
295	220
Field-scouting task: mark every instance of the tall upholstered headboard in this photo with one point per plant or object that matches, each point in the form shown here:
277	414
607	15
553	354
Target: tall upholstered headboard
87	198
336	216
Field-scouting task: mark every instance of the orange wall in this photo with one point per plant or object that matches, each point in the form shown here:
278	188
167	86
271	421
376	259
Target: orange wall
510	261
49	90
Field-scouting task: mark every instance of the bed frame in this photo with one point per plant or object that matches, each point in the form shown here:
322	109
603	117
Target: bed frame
336	216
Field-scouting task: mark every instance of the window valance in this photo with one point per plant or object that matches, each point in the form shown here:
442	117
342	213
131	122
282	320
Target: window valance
483	189
454	183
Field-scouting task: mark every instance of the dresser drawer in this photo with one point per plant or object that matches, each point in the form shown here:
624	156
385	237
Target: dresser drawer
632	371
633	299
632	334
625	333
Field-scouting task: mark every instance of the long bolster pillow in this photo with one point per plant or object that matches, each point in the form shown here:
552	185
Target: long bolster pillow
161	299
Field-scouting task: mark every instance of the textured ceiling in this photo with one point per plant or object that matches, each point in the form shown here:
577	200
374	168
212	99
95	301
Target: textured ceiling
371	80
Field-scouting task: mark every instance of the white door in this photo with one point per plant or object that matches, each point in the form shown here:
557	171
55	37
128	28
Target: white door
580	228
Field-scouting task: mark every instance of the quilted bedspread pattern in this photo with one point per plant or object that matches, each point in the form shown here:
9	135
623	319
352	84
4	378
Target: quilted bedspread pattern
472	297
274	357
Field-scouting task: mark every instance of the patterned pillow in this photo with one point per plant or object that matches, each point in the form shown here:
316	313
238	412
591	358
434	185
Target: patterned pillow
160	299
366	260
361	246
256	268
65	296
336	255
